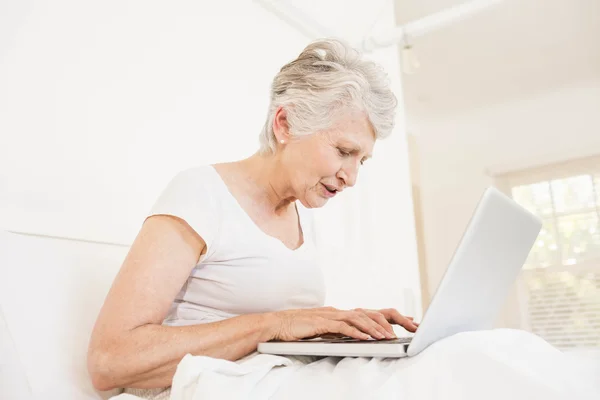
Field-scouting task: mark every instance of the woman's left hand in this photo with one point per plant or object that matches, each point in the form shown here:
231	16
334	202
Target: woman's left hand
388	316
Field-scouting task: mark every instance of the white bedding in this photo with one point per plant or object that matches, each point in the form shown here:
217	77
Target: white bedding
499	364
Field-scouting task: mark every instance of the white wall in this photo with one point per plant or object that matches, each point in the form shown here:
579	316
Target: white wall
102	102
457	156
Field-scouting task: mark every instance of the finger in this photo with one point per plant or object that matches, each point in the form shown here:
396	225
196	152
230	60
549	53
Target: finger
345	329
381	320
355	319
395	317
412	320
378	325
364	323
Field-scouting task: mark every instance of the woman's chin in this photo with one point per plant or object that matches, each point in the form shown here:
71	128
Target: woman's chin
314	201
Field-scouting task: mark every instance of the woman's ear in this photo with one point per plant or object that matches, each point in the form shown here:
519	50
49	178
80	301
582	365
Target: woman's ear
280	125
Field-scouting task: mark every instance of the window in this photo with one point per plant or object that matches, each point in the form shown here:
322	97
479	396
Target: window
561	278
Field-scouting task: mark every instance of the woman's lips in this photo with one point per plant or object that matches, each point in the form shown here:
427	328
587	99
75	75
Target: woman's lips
327	193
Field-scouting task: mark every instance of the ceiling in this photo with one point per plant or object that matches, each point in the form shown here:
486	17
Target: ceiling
515	49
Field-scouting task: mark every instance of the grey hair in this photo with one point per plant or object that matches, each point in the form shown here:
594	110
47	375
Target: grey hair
327	79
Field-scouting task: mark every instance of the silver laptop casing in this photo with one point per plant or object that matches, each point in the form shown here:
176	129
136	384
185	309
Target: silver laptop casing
488	259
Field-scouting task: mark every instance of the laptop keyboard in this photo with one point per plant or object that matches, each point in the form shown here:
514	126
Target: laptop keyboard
347	339
403	340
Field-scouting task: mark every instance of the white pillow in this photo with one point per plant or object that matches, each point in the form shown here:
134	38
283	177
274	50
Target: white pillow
13	380
51	291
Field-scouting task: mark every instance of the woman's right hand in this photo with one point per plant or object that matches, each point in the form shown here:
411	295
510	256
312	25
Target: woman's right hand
361	324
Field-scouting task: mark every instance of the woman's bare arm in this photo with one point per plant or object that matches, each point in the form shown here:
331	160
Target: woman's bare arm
129	346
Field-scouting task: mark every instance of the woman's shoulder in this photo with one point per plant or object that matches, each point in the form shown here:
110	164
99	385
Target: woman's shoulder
191	186
196	180
198	174
193	195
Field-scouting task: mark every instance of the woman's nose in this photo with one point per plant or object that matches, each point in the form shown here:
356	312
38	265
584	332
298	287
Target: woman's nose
348	174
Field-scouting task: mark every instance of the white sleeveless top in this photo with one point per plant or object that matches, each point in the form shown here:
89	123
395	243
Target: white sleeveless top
244	270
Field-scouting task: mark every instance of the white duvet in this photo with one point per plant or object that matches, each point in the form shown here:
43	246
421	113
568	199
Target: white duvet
499	364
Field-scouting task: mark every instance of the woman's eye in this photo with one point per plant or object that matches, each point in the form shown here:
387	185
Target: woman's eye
343	153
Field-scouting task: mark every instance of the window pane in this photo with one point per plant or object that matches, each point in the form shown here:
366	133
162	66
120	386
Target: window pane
564	307
545	250
573	194
536	198
579	237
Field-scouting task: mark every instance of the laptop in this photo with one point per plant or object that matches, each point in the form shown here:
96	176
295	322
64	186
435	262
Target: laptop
474	287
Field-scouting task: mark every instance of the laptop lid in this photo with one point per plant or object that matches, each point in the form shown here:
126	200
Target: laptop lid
485	264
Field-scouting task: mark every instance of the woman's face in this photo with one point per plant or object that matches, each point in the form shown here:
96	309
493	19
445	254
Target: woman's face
323	164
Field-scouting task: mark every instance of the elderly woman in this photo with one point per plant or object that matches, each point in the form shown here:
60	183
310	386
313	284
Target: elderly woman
226	258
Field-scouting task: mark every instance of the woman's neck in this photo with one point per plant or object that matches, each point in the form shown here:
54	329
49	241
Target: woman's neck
269	178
